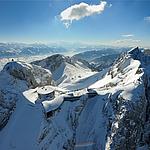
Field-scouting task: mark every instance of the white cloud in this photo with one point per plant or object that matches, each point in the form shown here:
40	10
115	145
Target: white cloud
147	19
127	35
79	11
127	42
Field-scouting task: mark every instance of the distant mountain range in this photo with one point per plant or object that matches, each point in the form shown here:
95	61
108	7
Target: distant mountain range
19	49
22	49
100	59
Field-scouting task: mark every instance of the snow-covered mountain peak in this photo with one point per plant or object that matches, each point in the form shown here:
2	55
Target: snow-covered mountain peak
54	61
65	68
14	65
31	74
126	65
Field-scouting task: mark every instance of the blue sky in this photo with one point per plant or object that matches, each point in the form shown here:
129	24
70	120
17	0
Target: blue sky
122	22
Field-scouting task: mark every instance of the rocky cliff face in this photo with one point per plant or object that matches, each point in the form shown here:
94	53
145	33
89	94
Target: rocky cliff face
131	115
7	106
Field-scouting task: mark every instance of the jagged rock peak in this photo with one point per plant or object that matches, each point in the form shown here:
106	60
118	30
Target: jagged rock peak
135	53
135	50
59	57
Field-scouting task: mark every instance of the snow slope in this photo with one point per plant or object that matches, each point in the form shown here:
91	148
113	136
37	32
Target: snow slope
85	81
64	69
23	128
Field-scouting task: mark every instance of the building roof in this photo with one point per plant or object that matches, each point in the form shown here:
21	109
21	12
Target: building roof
44	90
